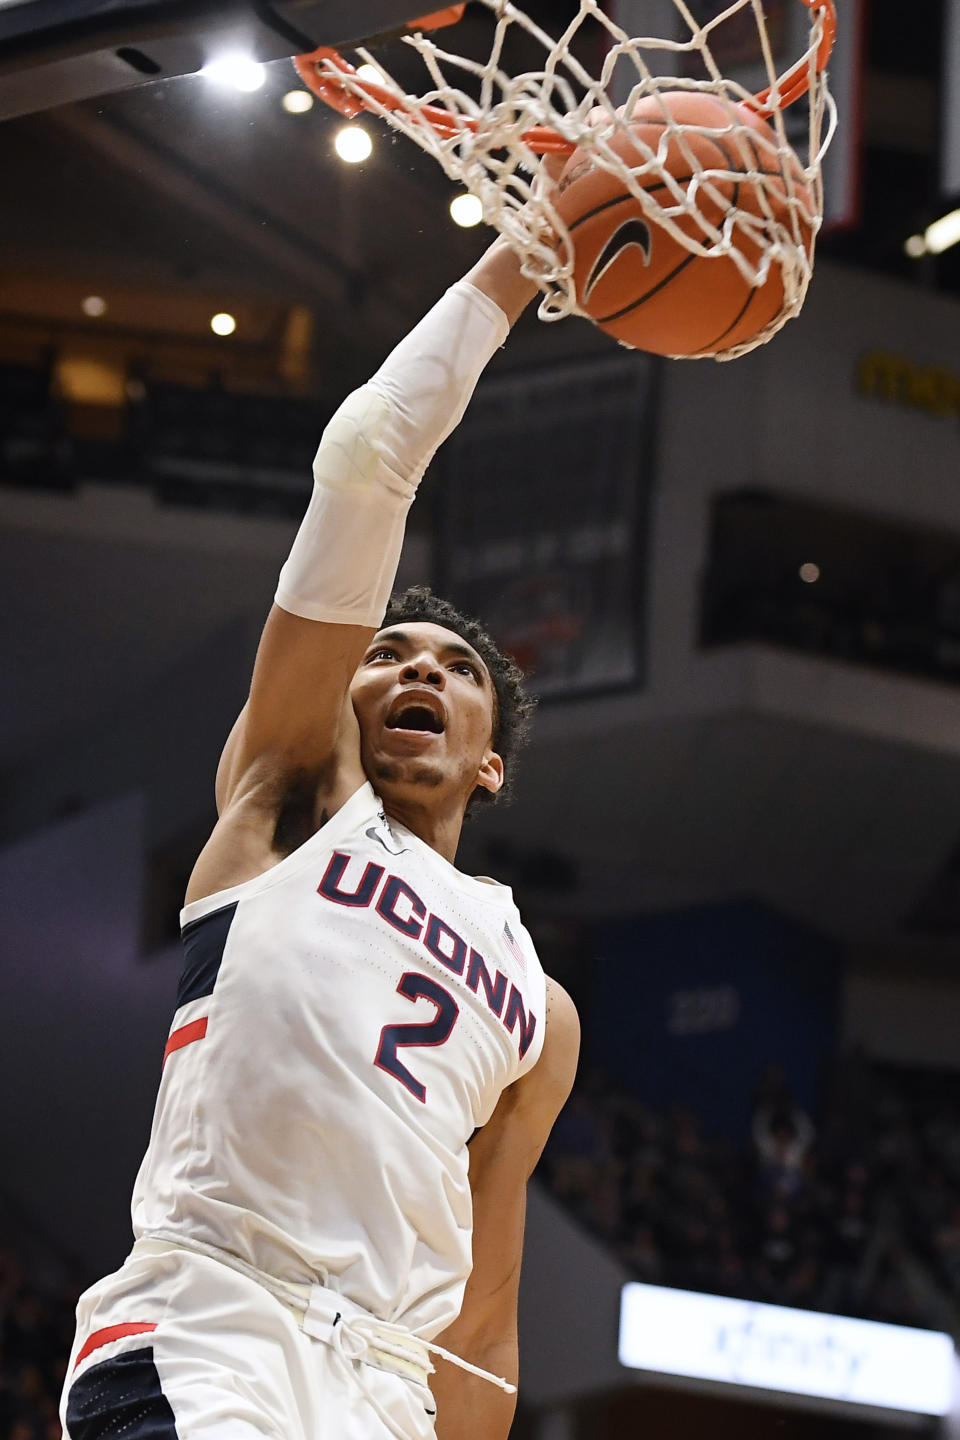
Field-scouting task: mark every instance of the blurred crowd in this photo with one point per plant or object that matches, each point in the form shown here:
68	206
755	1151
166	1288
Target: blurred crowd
857	1215
37	1307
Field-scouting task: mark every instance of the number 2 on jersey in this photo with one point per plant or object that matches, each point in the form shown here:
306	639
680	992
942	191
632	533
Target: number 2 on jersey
434	1032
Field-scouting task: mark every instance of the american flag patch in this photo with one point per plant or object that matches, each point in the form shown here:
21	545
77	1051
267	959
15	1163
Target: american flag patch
514	948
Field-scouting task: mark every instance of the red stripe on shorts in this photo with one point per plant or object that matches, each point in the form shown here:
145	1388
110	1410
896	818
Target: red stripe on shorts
185	1036
112	1332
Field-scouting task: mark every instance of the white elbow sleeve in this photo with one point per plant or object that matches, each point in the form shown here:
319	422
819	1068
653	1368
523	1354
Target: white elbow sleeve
373	455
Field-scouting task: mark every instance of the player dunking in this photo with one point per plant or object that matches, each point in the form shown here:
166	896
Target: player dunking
366	1058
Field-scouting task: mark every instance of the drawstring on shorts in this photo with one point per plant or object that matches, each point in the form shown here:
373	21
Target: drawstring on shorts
358	1337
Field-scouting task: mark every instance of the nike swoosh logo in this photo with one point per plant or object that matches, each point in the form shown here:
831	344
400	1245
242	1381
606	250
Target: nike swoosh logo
632	234
374	834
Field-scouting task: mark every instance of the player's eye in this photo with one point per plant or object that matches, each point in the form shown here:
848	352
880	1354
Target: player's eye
464	667
382	652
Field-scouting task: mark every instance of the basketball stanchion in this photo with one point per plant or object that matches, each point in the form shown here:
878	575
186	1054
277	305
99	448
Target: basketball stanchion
684	222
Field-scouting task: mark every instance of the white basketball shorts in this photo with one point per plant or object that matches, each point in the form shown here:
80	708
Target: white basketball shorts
178	1346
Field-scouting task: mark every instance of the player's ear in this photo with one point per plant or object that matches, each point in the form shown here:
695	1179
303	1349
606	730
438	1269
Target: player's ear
490	775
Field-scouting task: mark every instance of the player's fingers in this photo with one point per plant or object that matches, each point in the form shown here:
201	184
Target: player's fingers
552	166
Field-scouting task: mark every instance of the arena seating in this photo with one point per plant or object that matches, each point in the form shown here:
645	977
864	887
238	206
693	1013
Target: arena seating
38	1296
858	1214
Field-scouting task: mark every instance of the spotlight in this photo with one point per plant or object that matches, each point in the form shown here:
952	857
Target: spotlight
94	306
353	144
942	233
370	73
222	323
296	102
237	71
466	210
915	246
809	572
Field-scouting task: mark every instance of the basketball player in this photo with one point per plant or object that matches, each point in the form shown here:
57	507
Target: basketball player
366	1058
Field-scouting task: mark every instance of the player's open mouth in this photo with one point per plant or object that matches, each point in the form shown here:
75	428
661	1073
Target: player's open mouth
416	717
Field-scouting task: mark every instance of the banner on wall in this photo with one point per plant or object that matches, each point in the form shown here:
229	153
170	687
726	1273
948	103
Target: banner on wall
545	497
794	1352
692	1007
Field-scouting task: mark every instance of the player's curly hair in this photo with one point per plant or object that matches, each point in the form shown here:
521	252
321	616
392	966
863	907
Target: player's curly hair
513	705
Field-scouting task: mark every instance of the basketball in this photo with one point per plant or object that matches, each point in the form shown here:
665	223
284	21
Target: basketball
639	283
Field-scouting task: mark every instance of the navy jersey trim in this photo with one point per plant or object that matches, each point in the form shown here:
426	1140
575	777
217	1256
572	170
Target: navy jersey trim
203	945
118	1398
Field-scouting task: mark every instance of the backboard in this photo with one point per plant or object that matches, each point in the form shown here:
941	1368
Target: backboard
56	51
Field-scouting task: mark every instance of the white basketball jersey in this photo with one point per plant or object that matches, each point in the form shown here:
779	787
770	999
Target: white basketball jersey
346	1021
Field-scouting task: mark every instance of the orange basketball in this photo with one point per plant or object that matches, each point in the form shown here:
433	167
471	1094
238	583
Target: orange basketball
638	282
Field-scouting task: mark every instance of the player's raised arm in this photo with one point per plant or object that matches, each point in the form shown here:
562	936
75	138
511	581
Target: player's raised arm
335	585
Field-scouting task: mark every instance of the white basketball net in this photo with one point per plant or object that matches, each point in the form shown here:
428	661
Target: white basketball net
491	111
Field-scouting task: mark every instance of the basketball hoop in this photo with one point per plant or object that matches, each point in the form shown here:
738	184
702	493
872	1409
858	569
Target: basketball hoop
490	129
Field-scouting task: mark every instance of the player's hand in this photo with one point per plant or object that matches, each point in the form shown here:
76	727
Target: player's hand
553	166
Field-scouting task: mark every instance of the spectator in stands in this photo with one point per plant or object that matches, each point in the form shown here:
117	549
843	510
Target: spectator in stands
846	1239
602	1206
947	1242
782	1135
641	1253
864	1220
582	1131
36	1330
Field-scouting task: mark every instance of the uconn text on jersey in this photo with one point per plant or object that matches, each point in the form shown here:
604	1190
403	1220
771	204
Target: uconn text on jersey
399	905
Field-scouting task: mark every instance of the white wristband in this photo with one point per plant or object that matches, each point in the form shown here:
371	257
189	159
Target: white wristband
373	456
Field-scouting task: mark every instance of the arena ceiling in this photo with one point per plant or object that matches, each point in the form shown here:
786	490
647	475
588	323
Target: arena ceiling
181	196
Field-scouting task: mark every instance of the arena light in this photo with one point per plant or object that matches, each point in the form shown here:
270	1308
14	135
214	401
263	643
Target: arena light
297	102
809	572
223	323
238	72
466	210
371	74
794	1352
353	144
942	233
94	306
84	380
915	246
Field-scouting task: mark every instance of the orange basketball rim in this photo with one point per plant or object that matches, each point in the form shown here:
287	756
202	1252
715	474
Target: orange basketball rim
327	74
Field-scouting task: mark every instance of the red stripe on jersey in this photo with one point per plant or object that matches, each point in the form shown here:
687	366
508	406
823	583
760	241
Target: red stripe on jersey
112	1332
185	1036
